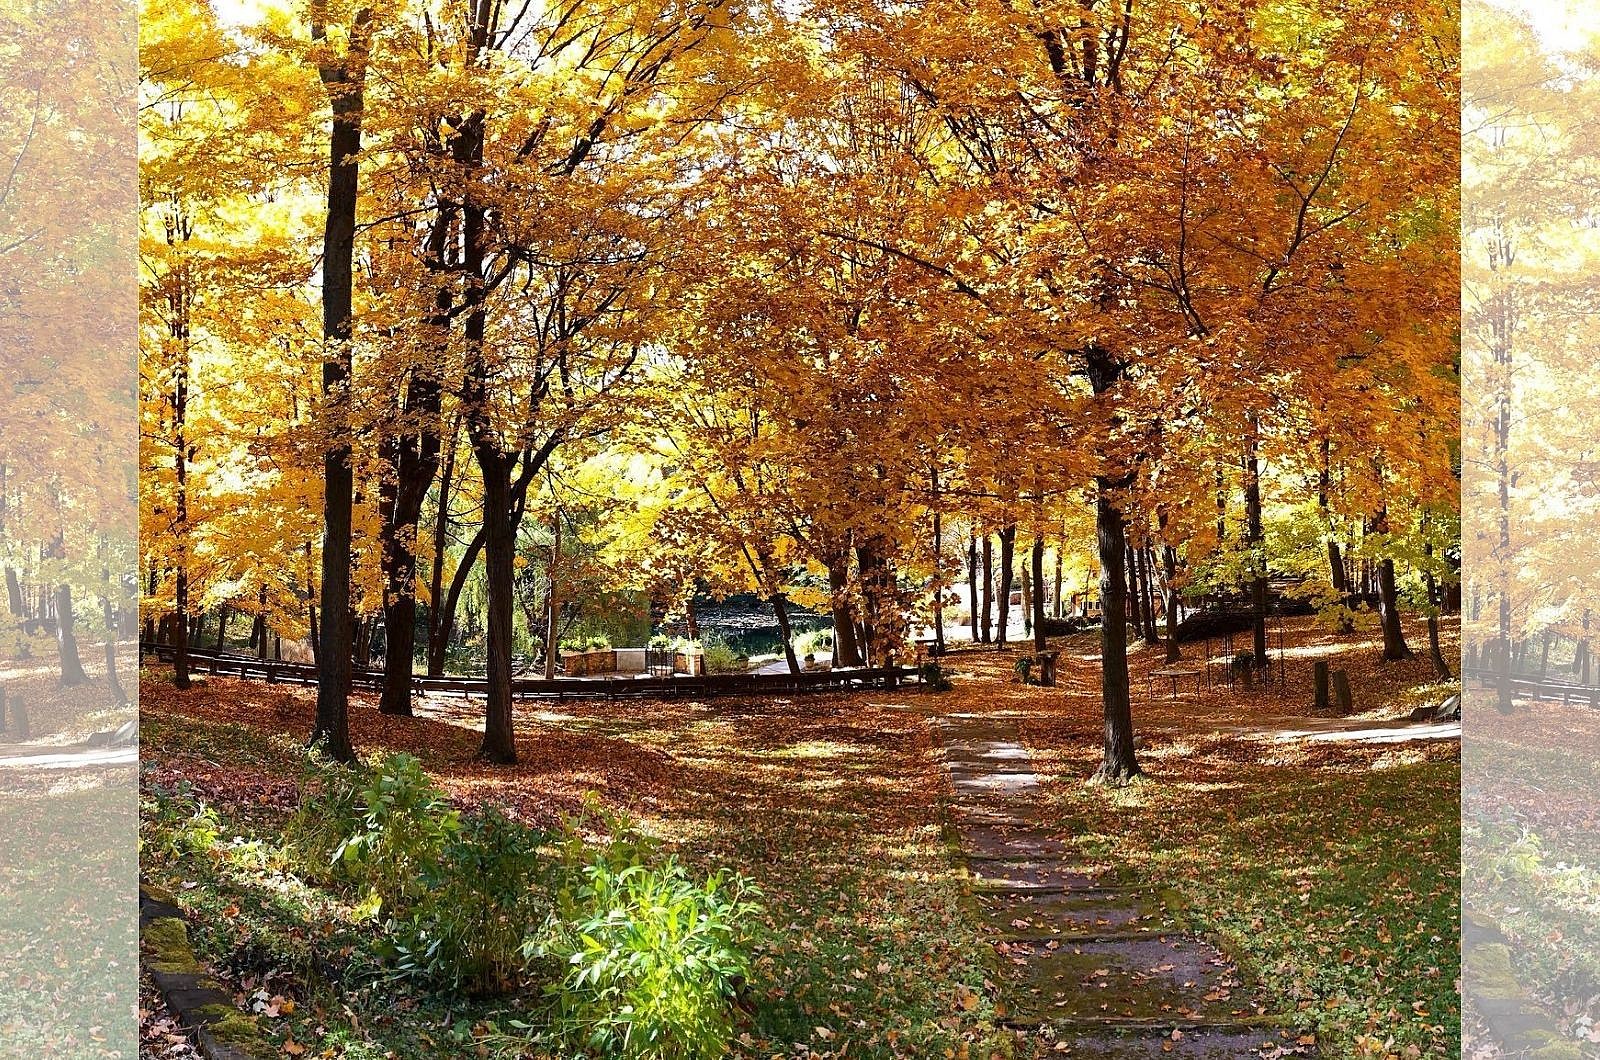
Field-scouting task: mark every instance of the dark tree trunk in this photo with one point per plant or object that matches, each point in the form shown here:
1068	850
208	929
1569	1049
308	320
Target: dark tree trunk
1055	586
67	641
1008	558
222	628
1169	561
988	589
1147	576
846	651
1435	653
1038	594
780	611
14	592
441	538
972	585
344	80
499	742
1255	543
1394	638
1118	765
552	611
119	695
1131	589
938	577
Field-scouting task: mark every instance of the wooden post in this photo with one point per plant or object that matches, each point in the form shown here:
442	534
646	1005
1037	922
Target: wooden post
1341	692
1319	671
2	710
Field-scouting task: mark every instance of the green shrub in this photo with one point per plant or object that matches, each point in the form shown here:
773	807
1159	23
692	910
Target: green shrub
484	894
175	824
722	658
933	677
652	960
329	812
813	641
405	823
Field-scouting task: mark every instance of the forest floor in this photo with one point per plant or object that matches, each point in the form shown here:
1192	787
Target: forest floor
1531	831
68	818
1325	870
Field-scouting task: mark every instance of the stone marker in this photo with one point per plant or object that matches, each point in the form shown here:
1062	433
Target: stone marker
1319	672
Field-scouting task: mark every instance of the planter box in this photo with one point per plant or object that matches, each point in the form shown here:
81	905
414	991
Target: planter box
589	663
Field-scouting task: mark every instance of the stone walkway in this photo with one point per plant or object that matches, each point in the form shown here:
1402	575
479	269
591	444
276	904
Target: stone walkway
1090	967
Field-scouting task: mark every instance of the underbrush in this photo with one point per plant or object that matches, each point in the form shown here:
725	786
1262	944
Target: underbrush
376	894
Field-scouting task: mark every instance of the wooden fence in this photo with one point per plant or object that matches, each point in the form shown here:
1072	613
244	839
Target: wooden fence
232	664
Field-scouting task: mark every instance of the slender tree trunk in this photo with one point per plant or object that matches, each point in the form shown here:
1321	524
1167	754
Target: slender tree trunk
972	585
780	611
441	539
553	597
119	695
1255	542
1039	642
988	588
1008	558
1394	638
499	742
1055	587
1169	561
14	592
344	80
1131	588
222	628
938	575
1025	579
66	640
1118	764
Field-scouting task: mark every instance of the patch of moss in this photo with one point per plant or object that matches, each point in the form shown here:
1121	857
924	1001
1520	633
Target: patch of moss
167	942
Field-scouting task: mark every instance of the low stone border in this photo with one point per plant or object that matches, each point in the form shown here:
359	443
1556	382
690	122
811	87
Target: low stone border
196	998
1489	982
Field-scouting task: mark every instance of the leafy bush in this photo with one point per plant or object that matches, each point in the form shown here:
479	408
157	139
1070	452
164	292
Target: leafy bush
1023	668
721	657
652	960
483	895
329	812
933	677
813	641
176	824
595	642
405	823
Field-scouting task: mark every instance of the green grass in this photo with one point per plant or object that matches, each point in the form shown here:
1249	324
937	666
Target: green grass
1338	891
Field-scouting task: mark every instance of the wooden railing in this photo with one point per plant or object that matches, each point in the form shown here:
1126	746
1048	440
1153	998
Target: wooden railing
1537	689
230	664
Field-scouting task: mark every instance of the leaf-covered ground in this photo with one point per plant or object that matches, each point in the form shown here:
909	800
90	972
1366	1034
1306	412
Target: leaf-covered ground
1532	852
1327	868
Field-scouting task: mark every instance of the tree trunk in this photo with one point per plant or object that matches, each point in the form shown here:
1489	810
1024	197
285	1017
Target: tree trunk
1038	594
1147	576
938	578
1008	548
222	628
119	695
988	588
780	611
553	598
846	650
14	592
441	538
1255	544
1169	561
972	585
1131	588
499	742
1055	587
344	80
1118	764
66	640
1025	579
1394	639
1440	666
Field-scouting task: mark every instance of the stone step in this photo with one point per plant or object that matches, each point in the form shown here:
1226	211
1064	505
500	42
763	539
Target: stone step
1164	979
1065	914
995	783
1219	1042
1035	875
984	842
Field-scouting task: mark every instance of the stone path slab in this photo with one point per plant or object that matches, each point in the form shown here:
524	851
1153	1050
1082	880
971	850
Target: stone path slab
1090	966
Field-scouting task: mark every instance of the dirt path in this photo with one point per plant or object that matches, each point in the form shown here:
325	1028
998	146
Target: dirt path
1092	968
